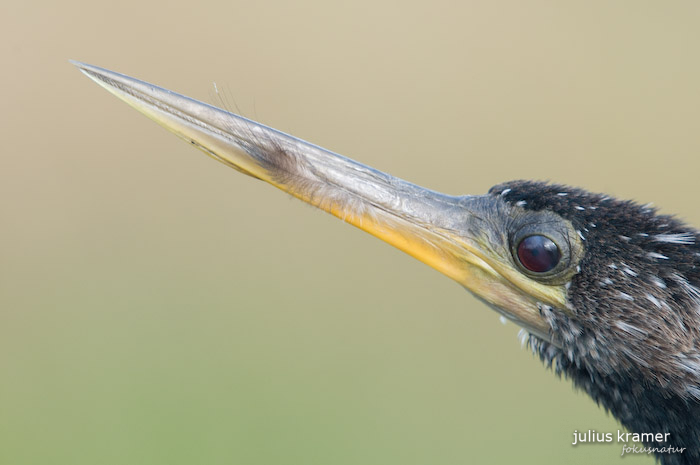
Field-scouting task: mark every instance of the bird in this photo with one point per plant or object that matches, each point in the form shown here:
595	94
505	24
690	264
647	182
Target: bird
607	291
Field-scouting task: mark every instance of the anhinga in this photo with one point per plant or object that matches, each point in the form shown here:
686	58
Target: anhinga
607	290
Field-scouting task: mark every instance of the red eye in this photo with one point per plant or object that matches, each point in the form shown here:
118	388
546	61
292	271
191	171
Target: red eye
538	253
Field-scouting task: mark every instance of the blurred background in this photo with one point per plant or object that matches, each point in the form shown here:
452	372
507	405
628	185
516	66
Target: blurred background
157	307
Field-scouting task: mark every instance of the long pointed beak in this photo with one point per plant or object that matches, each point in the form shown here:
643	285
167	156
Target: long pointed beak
445	232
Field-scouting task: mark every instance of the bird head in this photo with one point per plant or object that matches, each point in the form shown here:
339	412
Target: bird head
633	305
607	290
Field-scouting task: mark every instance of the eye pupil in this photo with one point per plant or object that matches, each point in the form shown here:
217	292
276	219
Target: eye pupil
538	253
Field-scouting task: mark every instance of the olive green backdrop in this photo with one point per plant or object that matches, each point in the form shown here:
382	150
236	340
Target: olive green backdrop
159	308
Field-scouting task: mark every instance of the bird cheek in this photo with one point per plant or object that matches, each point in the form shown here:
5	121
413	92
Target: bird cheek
508	300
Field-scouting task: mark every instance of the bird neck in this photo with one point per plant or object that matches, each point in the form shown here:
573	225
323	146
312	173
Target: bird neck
641	407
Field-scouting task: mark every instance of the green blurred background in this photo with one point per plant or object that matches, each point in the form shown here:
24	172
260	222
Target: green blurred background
157	307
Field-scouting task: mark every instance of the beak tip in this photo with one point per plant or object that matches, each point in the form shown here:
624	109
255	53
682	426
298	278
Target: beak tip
79	64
